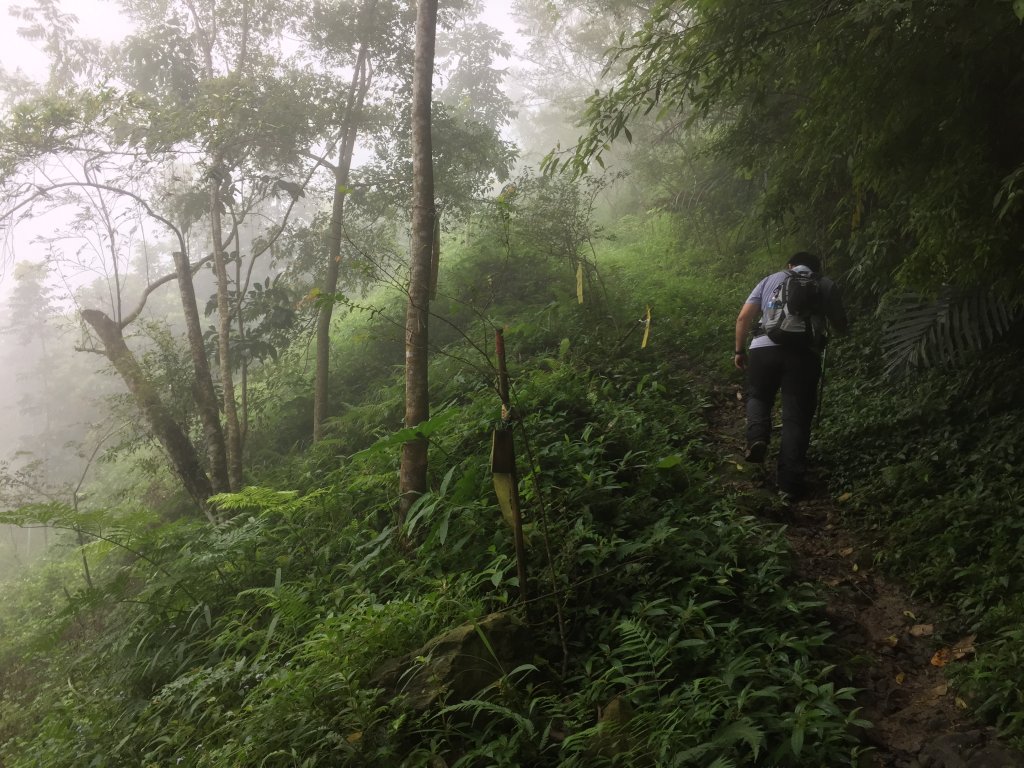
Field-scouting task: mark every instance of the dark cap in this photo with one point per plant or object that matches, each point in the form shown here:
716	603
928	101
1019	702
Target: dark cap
805	259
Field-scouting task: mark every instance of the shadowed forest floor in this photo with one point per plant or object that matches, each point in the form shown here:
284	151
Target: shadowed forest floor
884	640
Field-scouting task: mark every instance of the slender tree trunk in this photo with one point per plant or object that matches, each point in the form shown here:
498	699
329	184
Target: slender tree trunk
412	474
243	363
357	95
171	436
323	319
232	430
205	393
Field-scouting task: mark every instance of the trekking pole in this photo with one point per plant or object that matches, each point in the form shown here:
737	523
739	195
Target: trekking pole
821	384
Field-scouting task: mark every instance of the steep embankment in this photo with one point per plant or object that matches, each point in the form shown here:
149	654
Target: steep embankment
670	622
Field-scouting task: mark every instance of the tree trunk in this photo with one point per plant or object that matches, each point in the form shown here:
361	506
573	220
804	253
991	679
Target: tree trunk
357	95
166	430
412	475
205	394
232	430
243	363
323	319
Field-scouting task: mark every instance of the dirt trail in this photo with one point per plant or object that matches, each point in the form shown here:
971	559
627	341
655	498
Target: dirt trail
884	640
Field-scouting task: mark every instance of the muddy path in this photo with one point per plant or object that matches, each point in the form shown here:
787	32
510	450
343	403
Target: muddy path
885	642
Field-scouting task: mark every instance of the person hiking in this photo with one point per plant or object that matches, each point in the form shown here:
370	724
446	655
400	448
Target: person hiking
794	308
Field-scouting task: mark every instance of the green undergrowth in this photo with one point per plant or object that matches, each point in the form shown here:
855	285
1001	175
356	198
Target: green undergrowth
255	643
694	295
258	641
932	465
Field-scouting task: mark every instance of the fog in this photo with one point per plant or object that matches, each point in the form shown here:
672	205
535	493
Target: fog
93	242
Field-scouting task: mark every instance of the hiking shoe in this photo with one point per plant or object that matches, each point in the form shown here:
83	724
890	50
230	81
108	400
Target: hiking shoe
756	452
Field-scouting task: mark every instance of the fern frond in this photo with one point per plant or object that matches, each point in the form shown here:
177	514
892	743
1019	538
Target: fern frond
252	498
475	707
929	331
36	514
645	656
744	731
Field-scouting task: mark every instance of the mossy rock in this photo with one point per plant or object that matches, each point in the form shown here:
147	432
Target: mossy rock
458	664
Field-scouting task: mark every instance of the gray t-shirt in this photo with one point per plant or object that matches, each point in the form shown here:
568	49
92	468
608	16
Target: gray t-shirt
763	291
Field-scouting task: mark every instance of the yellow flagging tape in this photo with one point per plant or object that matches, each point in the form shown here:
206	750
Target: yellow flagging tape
579	283
647	327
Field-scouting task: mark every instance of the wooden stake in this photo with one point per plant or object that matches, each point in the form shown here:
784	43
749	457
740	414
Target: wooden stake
503	468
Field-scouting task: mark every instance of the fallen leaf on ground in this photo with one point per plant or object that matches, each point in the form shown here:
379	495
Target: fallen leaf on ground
922	630
900	678
964	647
845	497
910	615
892	640
940	690
960	703
846	551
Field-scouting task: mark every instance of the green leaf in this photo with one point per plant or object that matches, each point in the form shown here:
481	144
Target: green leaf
270	633
923	330
423	506
424	430
444	483
442	533
670	461
796	741
742	730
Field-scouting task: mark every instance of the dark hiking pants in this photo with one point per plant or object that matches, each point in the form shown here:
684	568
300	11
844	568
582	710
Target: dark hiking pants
794	370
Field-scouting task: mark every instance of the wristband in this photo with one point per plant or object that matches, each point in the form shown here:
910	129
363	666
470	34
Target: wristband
741	353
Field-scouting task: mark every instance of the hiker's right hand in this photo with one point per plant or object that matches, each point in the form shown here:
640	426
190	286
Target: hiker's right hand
740	360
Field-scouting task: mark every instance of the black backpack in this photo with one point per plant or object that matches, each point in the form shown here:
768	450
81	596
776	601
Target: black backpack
794	314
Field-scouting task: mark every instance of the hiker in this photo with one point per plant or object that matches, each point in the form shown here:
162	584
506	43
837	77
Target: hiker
792	307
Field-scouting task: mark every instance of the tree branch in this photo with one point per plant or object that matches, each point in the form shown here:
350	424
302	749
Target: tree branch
134	314
319	160
45	191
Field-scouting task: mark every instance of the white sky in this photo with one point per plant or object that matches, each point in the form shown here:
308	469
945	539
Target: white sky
96	18
100	19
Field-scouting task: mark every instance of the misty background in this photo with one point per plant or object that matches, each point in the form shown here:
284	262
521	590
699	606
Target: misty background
67	416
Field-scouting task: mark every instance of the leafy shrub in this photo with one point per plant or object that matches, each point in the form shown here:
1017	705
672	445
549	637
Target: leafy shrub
930	461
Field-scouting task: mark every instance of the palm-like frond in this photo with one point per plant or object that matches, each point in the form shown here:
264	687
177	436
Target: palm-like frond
926	330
